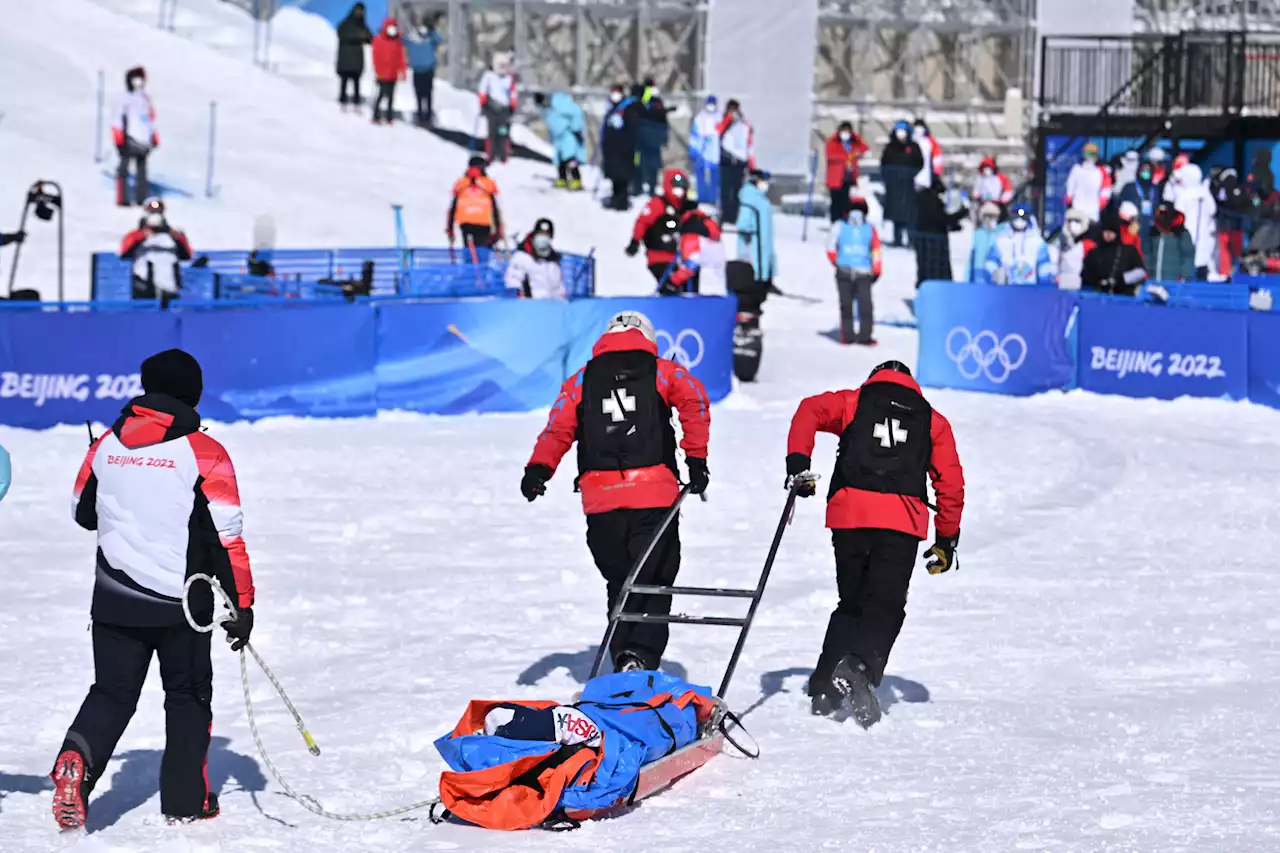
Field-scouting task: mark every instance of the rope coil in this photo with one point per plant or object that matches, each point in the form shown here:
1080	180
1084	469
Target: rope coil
306	801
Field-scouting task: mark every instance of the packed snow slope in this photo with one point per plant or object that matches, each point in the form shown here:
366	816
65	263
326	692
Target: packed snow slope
1100	675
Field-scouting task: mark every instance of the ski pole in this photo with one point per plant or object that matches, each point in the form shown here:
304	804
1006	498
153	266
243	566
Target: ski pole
808	205
631	579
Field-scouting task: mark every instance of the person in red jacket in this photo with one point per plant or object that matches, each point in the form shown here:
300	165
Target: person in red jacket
389	66
698	231
618	410
658	225
890	439
843	150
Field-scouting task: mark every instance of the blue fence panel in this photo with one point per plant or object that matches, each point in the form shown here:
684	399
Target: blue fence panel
68	367
1141	350
579	274
485	356
1218	295
1264	358
292	360
349	263
981	337
112	277
695	331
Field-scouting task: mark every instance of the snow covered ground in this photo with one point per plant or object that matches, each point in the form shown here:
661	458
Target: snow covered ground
1100	675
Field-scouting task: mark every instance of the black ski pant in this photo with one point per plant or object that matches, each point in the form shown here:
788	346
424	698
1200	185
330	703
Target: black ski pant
855	287
480	237
387	95
733	173
351	81
121	656
423	87
619	198
567	171
131	152
840	202
618	539
498	145
873	571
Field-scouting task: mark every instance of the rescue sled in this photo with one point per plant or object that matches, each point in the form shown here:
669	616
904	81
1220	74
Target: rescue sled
655	729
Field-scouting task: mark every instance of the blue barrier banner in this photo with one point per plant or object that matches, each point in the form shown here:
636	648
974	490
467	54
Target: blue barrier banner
1143	350
1264	358
484	356
982	337
66	368
695	331
295	360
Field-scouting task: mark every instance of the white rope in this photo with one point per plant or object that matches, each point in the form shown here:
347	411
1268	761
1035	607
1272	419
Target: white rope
307	802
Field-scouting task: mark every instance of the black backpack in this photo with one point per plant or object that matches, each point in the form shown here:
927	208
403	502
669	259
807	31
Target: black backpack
623	422
888	445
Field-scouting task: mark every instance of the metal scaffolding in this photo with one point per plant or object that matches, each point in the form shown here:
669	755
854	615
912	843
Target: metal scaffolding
1170	17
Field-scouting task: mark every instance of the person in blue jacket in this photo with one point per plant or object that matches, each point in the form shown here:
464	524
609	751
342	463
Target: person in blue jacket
6	473
567	133
1020	254
421	44
652	135
704	149
984	240
755	228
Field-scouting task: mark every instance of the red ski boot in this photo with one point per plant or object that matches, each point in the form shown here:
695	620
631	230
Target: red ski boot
69	808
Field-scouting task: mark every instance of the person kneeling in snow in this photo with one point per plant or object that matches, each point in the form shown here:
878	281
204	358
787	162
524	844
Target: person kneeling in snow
535	267
618	410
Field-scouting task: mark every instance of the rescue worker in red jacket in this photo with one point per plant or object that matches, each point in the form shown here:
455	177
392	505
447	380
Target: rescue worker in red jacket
618	409
697	230
843	150
163	498
890	439
658	225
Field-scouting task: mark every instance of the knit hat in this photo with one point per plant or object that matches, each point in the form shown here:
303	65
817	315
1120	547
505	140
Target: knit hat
175	373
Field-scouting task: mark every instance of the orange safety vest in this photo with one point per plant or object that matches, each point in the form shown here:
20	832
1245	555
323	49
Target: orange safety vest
474	201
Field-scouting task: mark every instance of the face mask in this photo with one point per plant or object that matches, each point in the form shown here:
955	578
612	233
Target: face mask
1145	176
918	132
987	171
392	32
1075	227
710	108
990	222
845	136
677	192
857	217
541	243
763	186
615	97
1018	224
153	220
900	135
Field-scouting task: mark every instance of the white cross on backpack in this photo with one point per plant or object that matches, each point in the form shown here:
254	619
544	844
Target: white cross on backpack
890	433
619	403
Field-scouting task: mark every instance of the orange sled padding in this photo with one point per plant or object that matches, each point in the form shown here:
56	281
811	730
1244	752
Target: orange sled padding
653	729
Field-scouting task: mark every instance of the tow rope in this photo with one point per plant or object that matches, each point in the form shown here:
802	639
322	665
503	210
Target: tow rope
306	801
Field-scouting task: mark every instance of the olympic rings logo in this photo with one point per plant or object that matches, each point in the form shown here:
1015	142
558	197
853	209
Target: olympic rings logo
986	353
678	346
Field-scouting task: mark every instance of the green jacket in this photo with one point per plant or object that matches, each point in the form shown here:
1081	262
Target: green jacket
1173	255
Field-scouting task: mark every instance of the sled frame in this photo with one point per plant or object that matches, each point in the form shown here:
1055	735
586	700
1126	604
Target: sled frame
658	776
743	624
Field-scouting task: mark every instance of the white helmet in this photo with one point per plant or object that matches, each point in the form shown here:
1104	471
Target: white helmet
625	321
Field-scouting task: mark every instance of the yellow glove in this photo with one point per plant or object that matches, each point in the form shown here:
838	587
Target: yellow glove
942	556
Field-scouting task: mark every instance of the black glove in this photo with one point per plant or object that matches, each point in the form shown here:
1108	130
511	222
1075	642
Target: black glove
238	631
798	463
17	236
699	476
534	483
633	247
943	554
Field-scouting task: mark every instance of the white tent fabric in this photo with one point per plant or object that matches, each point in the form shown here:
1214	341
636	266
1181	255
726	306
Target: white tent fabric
763	56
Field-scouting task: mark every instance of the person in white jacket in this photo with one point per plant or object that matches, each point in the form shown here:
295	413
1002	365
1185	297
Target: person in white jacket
930	151
1020	255
1190	194
498	103
704	150
534	269
1089	185
1071	246
135	136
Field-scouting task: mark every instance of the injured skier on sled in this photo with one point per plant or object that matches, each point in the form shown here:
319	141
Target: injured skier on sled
525	764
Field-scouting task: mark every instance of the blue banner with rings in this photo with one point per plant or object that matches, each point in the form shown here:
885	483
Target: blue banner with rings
981	337
1144	350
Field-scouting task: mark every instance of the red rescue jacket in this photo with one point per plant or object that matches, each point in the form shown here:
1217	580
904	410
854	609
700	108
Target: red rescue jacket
388	55
842	161
658	224
855	508
637	488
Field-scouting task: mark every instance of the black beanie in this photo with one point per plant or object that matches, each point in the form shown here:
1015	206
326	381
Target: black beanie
175	373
